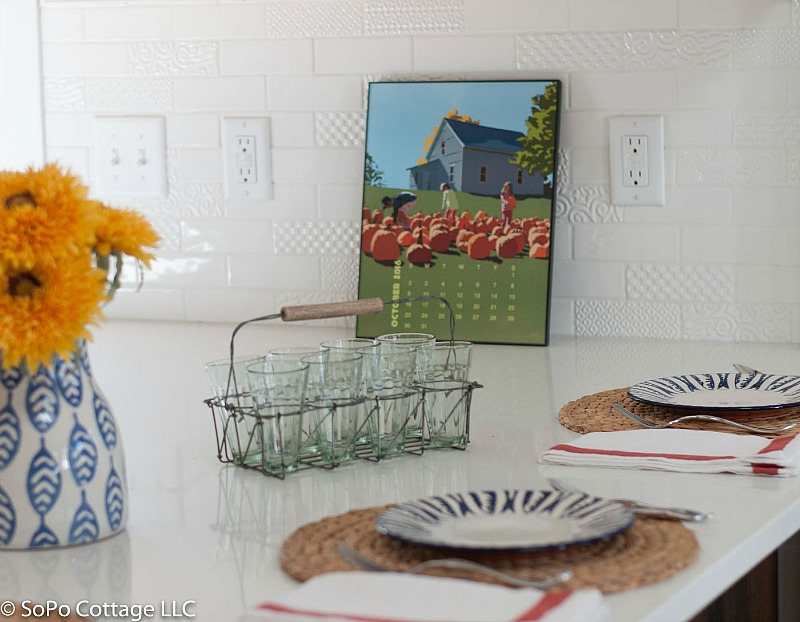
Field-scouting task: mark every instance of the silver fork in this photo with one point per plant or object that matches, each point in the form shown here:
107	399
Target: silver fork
367	563
734	424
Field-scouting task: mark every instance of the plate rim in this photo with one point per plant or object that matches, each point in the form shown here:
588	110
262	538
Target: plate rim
625	512
713	407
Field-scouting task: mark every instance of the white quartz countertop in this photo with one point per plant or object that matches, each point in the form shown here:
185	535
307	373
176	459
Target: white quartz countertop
203	538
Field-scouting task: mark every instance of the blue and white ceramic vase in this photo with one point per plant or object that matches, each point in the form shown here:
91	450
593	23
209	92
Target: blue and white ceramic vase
62	465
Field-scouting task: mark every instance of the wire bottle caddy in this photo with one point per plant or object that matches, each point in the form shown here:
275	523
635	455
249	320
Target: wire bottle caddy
334	426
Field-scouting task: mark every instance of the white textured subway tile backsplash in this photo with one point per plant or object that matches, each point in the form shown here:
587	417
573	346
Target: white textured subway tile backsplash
266	57
226	236
589	279
95	59
62	25
734	13
275	272
240	21
742	245
636	242
719	261
310	93
636	91
514	15
363	55
223	93
478	53
128	23
621	15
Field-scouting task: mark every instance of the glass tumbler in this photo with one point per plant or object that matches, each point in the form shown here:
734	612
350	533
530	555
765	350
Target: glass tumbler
363	345
279	397
452	360
231	387
424	344
391	396
291	357
446	406
335	398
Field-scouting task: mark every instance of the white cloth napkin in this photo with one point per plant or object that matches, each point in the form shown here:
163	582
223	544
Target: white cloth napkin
396	597
691	451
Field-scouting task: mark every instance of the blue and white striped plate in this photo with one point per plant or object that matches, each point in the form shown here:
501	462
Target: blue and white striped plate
505	520
720	391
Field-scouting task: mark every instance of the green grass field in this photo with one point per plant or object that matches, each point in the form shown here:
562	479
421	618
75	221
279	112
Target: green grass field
494	300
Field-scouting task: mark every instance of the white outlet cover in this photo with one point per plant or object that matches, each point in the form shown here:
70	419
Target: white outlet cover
130	155
256	130
652	128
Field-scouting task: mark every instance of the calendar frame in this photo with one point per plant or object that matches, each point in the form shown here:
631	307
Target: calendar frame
473	135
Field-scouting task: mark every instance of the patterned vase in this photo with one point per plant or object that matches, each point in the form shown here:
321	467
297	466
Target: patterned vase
62	466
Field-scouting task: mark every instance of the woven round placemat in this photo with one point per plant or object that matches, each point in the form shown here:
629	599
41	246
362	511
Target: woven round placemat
651	550
593	413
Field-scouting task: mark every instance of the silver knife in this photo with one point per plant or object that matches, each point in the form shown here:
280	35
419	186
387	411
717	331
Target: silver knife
646	509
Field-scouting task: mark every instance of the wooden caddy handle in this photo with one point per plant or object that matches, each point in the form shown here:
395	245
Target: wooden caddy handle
332	309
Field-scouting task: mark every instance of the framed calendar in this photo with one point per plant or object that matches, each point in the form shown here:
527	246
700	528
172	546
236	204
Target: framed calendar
458	204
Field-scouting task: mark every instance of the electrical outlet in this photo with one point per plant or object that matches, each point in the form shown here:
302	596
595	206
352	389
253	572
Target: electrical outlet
246	153
246	160
637	160
634	158
130	155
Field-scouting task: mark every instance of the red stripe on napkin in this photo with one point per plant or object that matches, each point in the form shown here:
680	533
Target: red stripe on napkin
766	469
319	614
776	444
546	603
636	454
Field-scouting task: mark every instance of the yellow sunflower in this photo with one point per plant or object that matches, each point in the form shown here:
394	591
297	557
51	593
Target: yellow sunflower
123	231
46	307
44	216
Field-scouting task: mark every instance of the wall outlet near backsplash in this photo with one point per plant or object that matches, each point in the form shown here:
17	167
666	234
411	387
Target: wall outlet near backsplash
637	160
247	158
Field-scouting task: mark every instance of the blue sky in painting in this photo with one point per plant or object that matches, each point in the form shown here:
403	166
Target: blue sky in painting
401	115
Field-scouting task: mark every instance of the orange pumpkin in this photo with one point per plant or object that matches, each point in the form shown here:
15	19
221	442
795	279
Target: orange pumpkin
405	238
507	247
385	246
418	253
462	240
536	237
377	216
539	251
366	214
478	246
440	239
367	233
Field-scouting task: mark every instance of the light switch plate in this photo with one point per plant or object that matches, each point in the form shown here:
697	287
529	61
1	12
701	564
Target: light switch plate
246	152
130	155
637	160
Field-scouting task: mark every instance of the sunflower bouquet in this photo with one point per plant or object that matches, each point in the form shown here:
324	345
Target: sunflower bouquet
61	255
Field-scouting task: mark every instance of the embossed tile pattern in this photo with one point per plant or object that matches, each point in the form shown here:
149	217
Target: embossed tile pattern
312	238
310	19
167	58
678	282
340	129
130	94
738	323
340	274
618	318
586	204
392	17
